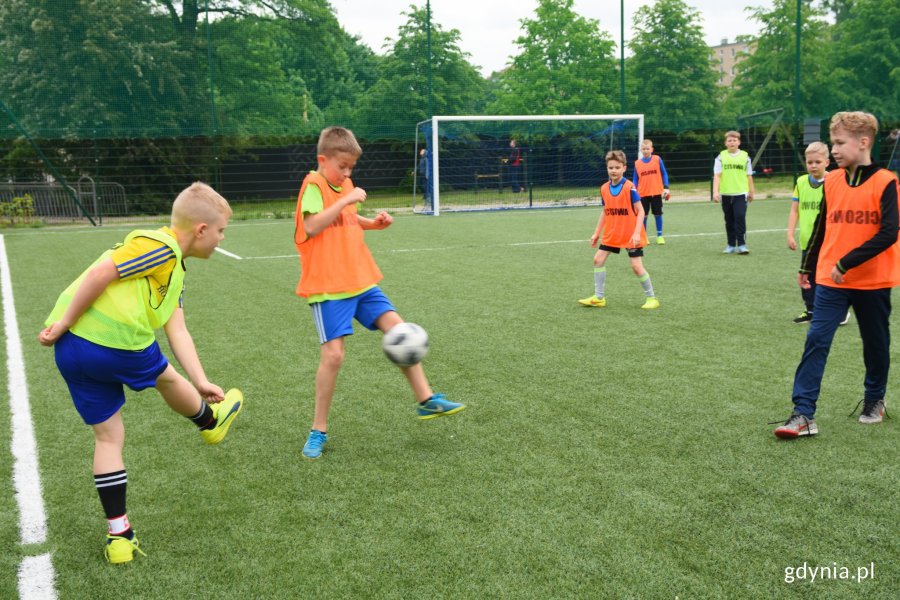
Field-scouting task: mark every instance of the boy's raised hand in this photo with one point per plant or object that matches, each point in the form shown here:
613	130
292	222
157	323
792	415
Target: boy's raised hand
383	220
357	195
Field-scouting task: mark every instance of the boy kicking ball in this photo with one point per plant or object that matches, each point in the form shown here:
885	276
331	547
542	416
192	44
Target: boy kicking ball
102	331
339	278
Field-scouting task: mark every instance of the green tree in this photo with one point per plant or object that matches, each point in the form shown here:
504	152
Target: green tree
765	80
669	73
185	15
865	59
565	66
80	67
256	93
400	97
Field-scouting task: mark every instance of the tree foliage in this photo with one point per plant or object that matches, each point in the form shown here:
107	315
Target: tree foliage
565	66
80	66
865	58
670	73
766	78
149	69
400	97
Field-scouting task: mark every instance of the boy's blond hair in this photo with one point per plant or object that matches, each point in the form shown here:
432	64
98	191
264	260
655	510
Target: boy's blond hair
817	148
338	139
198	203
858	123
733	133
647	141
616	155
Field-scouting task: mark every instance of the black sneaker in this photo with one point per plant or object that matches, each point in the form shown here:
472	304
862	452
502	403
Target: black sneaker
873	412
805	317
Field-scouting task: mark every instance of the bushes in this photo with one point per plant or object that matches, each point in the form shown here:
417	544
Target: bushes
17	210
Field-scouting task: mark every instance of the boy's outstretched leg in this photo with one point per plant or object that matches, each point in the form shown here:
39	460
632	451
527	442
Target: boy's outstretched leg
430	405
111	481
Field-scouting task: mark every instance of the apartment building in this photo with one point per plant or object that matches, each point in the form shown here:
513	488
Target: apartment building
726	56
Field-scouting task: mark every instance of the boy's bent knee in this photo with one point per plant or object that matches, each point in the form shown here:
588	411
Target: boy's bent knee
331	355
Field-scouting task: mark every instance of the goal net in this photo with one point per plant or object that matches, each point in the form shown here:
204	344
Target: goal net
508	162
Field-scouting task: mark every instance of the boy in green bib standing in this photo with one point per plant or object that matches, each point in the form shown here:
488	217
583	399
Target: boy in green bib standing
733	187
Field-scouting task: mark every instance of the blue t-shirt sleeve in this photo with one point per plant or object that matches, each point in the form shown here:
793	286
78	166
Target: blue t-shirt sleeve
665	175
634	196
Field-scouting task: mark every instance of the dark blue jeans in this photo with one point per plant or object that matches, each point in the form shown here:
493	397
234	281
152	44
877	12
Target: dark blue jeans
735	208
872	309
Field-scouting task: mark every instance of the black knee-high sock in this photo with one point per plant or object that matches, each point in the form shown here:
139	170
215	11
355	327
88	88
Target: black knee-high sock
111	487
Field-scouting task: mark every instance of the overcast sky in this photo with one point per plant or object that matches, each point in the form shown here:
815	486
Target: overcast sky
488	28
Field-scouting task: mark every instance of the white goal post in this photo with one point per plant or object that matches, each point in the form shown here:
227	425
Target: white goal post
512	121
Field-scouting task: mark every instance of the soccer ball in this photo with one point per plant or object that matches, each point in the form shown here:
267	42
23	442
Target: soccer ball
406	344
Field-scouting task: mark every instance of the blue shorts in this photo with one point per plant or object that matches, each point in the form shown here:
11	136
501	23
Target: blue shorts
96	374
334	318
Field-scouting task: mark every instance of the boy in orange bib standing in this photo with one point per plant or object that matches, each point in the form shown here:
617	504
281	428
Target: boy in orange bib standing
621	225
652	183
339	277
855	257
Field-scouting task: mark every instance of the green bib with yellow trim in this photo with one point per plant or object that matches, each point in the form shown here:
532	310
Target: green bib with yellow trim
733	180
127	312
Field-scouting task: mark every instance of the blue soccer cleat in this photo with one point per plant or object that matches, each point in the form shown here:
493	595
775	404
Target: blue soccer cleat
314	444
438	406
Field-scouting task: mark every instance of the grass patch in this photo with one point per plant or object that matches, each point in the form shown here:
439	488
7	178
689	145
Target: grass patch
610	453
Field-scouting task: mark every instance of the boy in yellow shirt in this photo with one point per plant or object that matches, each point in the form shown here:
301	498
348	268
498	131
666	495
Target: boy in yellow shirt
339	277
102	331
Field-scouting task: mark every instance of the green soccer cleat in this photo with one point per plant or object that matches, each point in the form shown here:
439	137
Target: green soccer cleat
650	303
660	240
804	317
225	413
121	550
593	301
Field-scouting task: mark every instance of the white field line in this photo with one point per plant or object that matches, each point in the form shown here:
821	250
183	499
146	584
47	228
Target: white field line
510	245
36	577
35	572
228	254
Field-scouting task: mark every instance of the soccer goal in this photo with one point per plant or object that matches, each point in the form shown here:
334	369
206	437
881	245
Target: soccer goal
510	162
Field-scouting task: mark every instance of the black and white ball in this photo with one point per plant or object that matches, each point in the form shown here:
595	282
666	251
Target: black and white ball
405	344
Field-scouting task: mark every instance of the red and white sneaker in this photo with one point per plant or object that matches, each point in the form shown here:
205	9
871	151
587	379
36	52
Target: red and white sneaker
796	426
